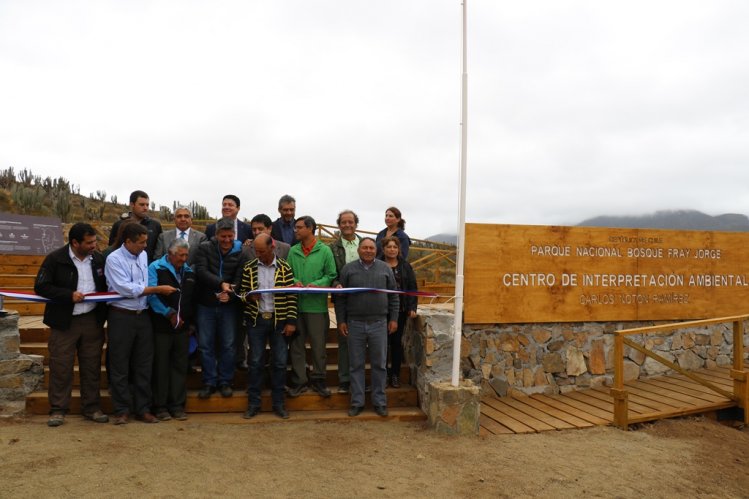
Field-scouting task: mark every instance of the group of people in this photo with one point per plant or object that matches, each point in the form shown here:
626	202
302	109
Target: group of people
171	285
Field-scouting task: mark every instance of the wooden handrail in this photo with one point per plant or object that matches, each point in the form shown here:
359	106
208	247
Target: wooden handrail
739	373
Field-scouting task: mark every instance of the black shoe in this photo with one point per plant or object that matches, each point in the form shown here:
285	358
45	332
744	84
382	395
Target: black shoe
251	412
381	410
281	412
179	415
395	381
226	391
320	388
344	387
206	392
355	410
56	419
295	391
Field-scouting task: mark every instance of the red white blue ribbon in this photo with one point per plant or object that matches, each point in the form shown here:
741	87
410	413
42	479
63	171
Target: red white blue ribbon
315	290
91	297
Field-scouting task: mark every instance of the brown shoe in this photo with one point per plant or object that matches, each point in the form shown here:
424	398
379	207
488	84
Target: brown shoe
147	417
97	417
120	419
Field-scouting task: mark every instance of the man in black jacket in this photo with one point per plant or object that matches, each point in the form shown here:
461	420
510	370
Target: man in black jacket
139	203
65	277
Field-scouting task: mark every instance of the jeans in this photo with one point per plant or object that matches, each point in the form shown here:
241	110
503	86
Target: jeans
216	329
372	335
264	331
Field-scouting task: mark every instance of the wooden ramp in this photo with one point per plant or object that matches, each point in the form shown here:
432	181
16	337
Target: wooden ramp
650	399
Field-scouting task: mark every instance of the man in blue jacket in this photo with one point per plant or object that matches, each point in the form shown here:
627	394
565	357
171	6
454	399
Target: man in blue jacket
171	318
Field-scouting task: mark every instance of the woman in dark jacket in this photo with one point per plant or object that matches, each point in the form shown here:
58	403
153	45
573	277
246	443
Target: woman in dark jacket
406	281
394	226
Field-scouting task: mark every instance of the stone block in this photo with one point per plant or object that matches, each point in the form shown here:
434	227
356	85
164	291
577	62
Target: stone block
541	336
688	340
540	377
499	386
510	376
689	360
652	366
465	349
429	346
11	381
635	356
486	370
716	338
10	345
723	360
527	377
553	363
575	362
702	339
454	410
597	357
555	346
13	366
523	340
631	371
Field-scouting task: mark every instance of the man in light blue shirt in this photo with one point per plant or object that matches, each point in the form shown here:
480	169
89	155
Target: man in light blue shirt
130	341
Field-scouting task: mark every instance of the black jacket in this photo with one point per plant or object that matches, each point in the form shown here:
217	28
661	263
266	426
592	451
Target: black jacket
154	229
57	279
408	283
212	268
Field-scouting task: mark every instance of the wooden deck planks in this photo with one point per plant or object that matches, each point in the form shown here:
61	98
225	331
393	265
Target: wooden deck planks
532	412
494	428
502	406
504	420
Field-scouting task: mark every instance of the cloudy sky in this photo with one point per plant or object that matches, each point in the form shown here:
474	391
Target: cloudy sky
577	108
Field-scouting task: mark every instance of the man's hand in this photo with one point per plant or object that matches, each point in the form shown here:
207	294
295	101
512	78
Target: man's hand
165	289
226	287
223	297
412	314
289	329
343	329
247	242
77	297
392	327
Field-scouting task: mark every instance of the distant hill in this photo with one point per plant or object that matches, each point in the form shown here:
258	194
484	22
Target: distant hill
676	219
444	238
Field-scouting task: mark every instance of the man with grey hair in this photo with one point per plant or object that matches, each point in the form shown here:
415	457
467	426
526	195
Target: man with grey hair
171	319
218	266
283	227
182	230
366	319
344	251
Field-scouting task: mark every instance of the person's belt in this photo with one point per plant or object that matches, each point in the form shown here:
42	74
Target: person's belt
128	311
266	315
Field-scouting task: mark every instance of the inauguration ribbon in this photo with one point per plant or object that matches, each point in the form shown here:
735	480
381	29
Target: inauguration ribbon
90	297
316	290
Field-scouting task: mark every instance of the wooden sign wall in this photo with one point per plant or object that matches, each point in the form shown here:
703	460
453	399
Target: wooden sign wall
523	273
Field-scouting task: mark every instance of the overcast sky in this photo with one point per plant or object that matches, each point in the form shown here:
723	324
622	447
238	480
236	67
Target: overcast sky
577	108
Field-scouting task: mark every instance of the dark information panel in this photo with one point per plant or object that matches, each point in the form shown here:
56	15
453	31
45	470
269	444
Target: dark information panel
27	235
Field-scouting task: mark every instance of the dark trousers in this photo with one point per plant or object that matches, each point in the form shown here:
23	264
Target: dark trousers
130	357
395	345
170	350
86	338
264	331
313	326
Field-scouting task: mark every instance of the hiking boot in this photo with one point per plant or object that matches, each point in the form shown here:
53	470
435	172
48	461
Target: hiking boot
226	391
251	412
355	410
381	410
97	417
206	392
320	388
163	416
280	411
56	419
344	387
395	382
295	391
179	415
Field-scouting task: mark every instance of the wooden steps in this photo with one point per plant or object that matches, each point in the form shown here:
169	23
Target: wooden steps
402	402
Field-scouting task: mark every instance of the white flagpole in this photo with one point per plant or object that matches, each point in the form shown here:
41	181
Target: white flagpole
458	326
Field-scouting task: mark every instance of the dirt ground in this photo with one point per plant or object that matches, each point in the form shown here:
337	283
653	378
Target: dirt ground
202	457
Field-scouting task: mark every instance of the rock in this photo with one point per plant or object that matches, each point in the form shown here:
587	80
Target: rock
527	377
597	357
465	349
635	356
498	369
575	362
688	340
652	366
677	342
555	346
716	339
500	386
517	363
553	363
689	360
631	371
540	377
510	376
486	370
723	360
702	339
541	336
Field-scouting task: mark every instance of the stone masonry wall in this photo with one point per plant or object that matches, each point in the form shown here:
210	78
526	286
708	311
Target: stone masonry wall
554	358
19	374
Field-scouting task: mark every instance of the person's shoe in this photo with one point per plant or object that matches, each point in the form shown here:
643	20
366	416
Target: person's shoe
320	388
206	392
179	415
251	412
147	417
381	410
280	411
163	416
56	419
120	419
242	366
355	410
344	387
226	391
97	417
295	391
395	381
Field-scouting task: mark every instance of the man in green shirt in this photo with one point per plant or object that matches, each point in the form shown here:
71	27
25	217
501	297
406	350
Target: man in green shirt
313	266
